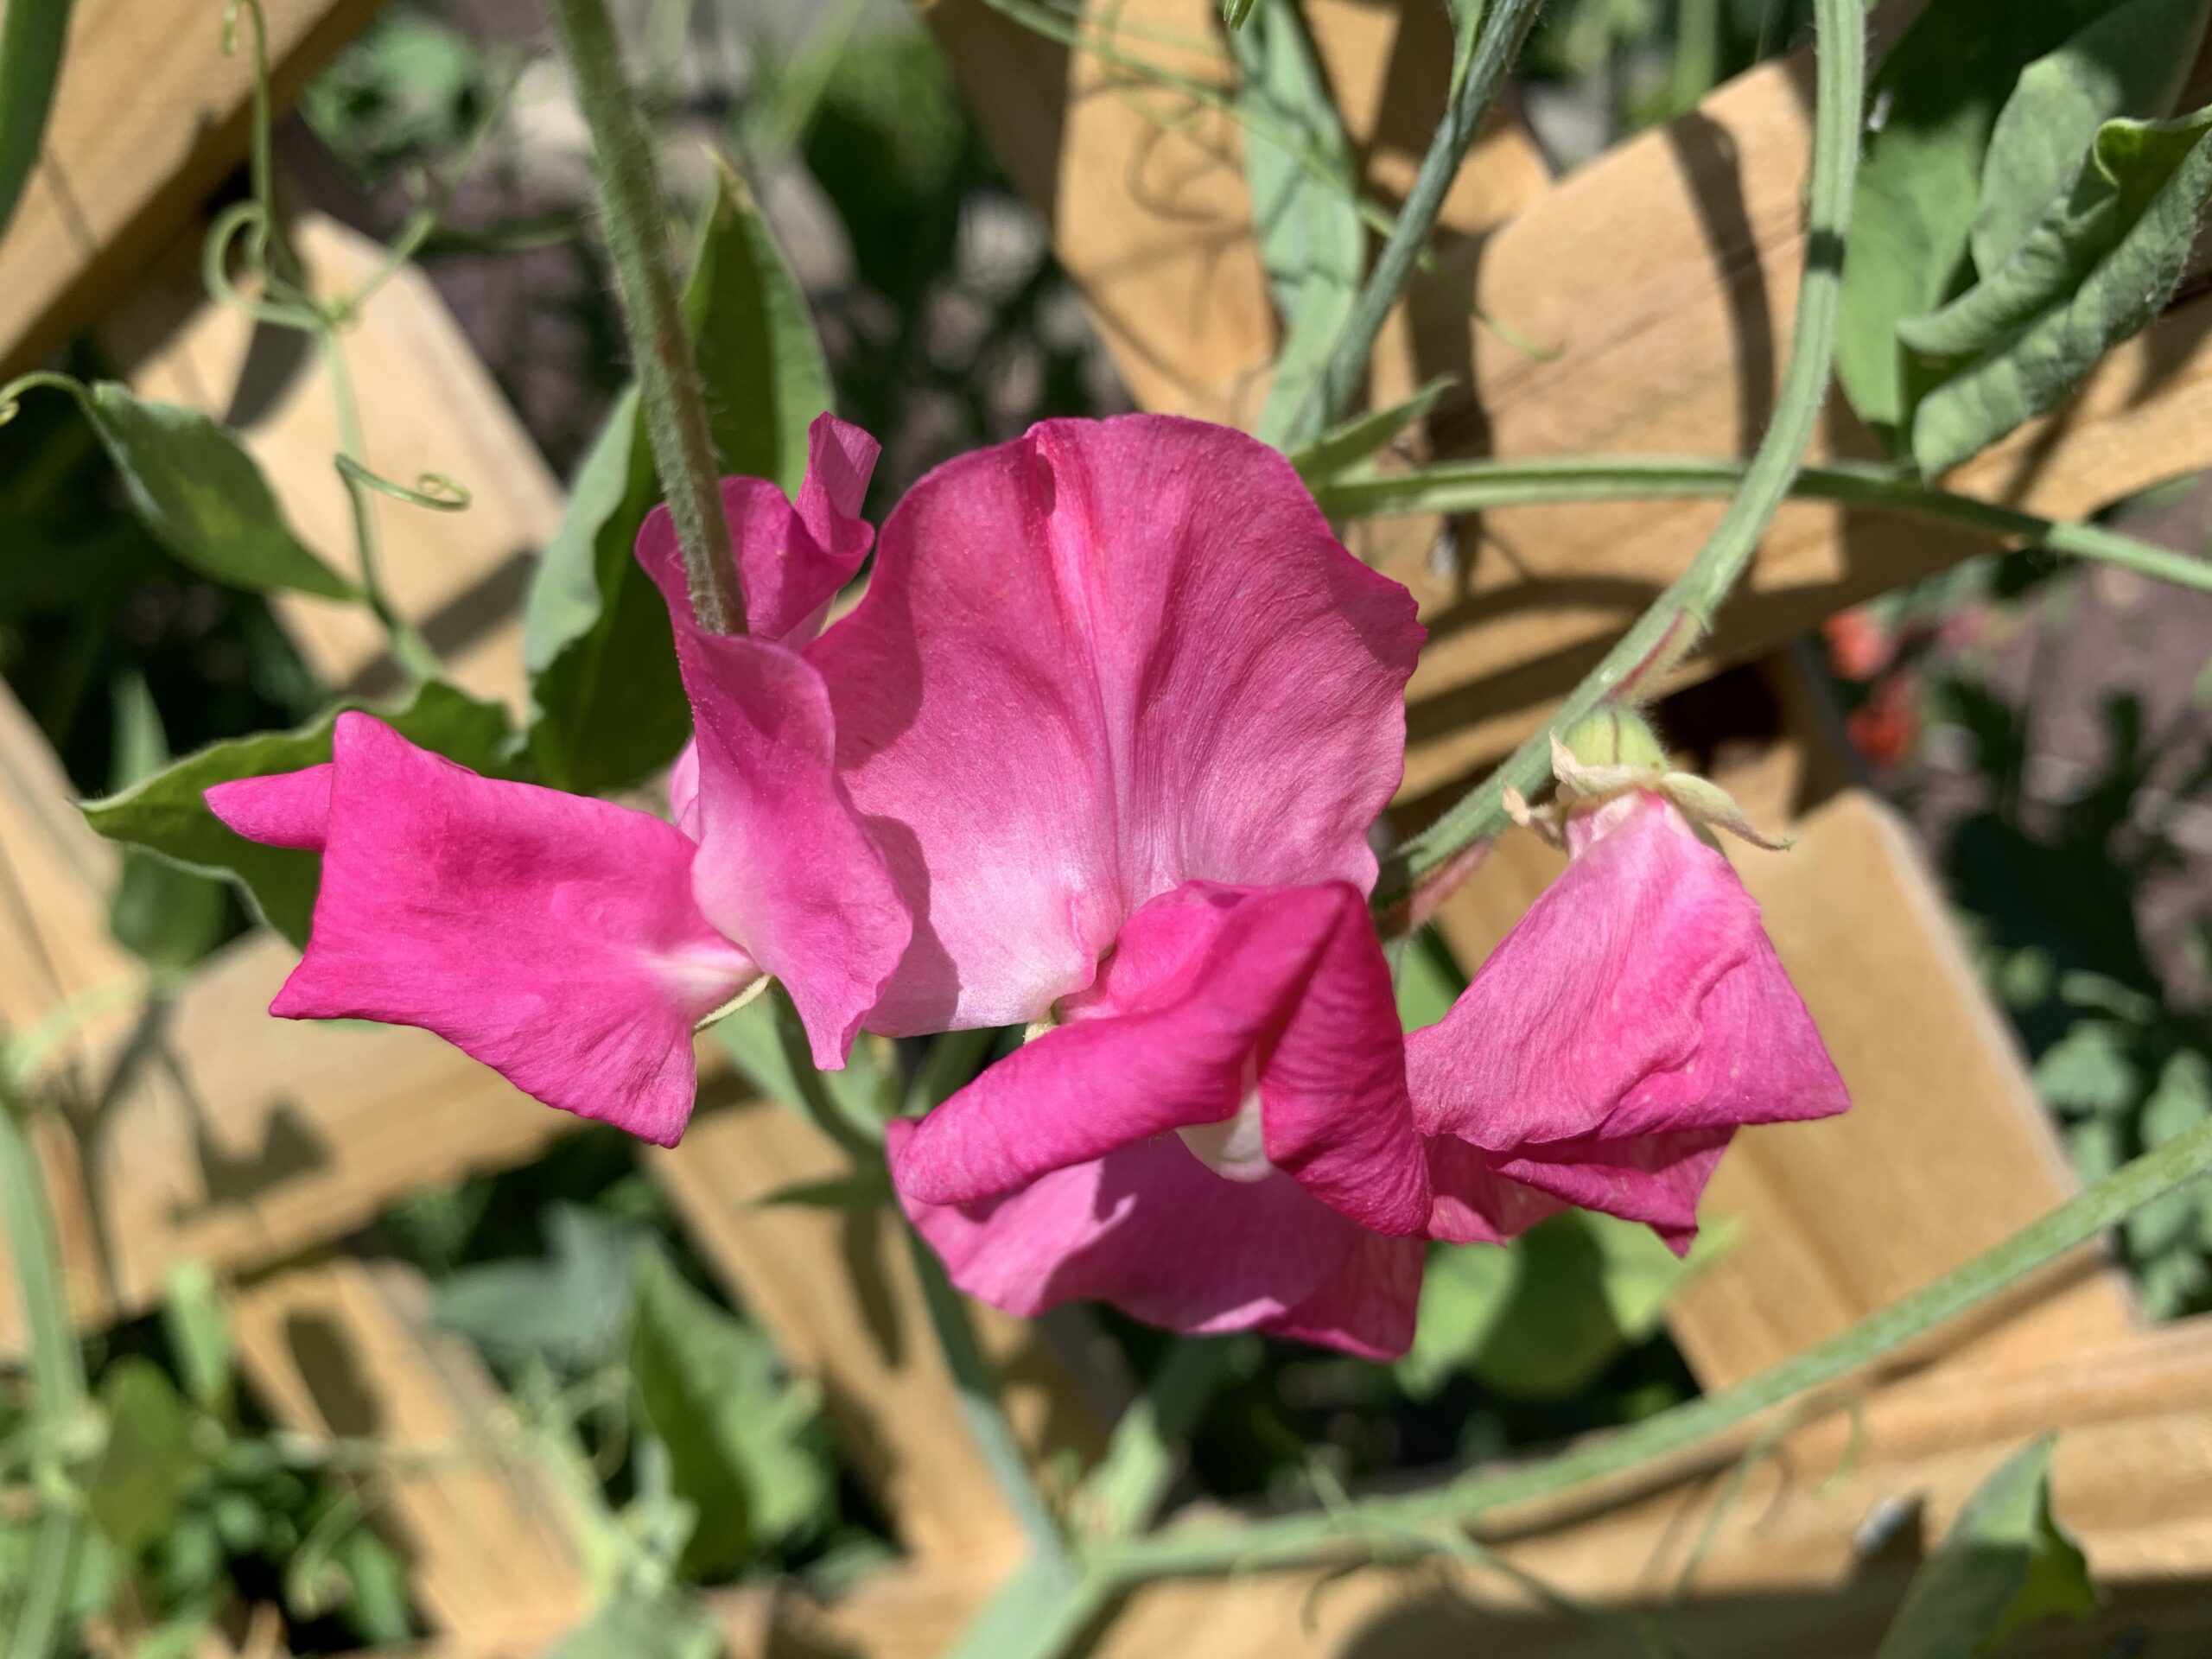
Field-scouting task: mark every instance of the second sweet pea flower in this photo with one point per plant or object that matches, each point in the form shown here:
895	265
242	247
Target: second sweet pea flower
1119	712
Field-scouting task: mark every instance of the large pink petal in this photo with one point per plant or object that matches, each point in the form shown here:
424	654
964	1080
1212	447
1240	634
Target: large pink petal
1654	1179
1369	1306
552	937
790	561
1155	1233
1592	1016
286	809
1475	1202
1213	995
1095	664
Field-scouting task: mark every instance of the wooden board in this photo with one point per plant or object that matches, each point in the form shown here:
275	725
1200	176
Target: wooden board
1947	1149
343	1347
1658	281
427	405
149	115
838	1291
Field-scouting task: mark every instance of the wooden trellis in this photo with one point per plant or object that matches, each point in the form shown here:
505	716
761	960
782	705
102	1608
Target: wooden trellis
1661	274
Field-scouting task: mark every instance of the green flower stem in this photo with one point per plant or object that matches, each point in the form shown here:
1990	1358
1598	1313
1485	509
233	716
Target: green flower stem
652	312
977	1384
59	1402
1504	25
1297	1541
1680	616
1475	486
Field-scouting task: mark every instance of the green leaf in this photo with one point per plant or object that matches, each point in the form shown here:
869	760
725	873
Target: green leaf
156	1454
197	1328
741	1440
634	1626
607	706
192	485
1233	12
2130	62
1429	981
1038	1596
570	1309
863	1189
1345	448
168	813
2090	1069
1311	239
1934	99
2004	1564
865	1092
1540	1318
169	916
2098	265
32	33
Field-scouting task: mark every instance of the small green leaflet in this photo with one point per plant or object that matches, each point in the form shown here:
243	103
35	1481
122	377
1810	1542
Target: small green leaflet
1311	239
1933	103
169	916
1345	450
570	1309
1541	1317
744	1447
2131	61
156	1454
168	812
192	485
1233	12
2004	1564
2098	265
607	706
31	36
197	1326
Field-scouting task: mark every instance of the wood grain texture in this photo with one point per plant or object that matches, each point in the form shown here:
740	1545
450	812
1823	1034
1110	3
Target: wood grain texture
149	115
344	1347
428	404
1947	1149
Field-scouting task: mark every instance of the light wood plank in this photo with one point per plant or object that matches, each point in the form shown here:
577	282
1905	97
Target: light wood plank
149	115
343	1347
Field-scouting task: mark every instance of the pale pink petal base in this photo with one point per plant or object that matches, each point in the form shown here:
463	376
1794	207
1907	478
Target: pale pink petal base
1154	1232
552	937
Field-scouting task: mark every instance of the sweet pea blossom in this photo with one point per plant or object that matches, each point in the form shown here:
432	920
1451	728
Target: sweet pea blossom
1119	712
571	944
1613	1045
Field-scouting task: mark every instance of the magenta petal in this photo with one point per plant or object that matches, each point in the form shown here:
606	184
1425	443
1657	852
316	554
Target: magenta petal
1475	1203
1654	1179
287	809
784	866
1155	1233
552	937
684	790
790	562
1369	1306
1212	995
1096	664
1638	995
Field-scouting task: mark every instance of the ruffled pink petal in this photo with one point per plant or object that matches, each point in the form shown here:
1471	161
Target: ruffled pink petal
790	561
288	809
1474	1202
1152	1231
1093	665
1213	995
1599	1012
550	936
1656	1180
784	864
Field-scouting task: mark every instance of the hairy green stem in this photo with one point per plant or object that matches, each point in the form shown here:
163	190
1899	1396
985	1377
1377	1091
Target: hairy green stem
652	312
57	1377
1293	1540
977	1384
1680	616
1504	25
1475	486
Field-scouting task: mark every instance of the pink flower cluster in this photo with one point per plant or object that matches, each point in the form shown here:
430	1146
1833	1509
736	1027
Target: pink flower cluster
1098	753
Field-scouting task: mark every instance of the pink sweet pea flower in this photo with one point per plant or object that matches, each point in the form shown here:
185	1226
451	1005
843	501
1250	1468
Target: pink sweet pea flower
1609	1048
1119	711
570	944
